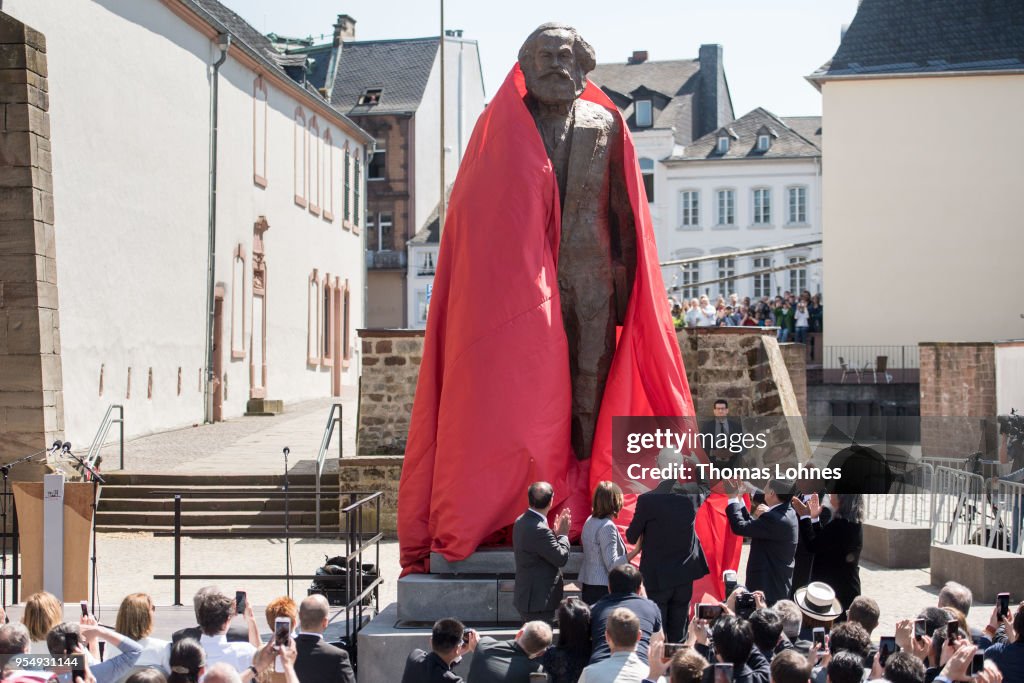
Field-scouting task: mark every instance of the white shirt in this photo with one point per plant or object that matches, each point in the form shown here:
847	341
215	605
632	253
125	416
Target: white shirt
218	649
156	654
620	667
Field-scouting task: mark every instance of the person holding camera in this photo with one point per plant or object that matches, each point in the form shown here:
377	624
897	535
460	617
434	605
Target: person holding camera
624	583
510	661
69	639
622	665
449	641
215	611
773	531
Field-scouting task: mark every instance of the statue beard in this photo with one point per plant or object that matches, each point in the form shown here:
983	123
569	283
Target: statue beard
554	87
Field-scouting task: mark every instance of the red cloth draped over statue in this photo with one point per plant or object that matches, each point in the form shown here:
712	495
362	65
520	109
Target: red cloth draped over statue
492	407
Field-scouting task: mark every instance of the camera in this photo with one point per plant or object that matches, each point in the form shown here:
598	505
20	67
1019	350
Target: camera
886	646
1003	601
744	604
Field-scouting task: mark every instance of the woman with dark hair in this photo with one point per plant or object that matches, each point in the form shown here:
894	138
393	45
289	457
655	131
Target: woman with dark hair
836	546
603	547
566	660
188	662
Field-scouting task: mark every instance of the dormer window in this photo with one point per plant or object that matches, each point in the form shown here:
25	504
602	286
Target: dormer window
723	144
764	142
371	96
644	114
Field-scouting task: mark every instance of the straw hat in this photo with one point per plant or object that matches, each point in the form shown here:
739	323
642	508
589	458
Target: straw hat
818	601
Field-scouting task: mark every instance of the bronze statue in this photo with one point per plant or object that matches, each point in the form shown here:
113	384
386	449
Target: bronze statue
597	248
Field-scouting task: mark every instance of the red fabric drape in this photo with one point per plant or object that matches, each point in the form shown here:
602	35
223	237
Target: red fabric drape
492	407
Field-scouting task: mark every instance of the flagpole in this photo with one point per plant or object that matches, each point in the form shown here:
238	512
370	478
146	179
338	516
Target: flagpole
441	206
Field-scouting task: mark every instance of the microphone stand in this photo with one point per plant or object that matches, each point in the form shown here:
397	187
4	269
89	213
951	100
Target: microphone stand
287	529
5	470
97	479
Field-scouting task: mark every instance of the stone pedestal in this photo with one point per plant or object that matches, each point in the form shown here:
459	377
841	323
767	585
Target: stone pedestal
263	406
985	571
896	545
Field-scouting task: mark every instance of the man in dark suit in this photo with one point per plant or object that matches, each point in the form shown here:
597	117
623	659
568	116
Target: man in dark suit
803	562
447	645
721	430
540	555
317	661
672	559
510	661
773	534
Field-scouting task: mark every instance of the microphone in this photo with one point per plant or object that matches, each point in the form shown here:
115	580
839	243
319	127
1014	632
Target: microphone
55	447
66	447
287	451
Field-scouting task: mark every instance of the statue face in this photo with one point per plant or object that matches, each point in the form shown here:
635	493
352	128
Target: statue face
552	74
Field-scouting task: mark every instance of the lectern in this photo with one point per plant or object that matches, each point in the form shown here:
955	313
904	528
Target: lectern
54	519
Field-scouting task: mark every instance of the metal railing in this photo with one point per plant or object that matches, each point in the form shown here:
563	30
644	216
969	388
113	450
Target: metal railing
1008	509
960	508
321	454
909	500
101	434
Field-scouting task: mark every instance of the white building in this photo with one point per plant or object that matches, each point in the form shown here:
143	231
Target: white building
130	89
755	182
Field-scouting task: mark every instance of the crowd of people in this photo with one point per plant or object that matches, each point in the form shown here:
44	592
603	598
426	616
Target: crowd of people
798	617
216	650
795	316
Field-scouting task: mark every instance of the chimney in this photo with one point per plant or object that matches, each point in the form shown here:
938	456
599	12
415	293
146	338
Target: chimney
344	29
639	57
713	107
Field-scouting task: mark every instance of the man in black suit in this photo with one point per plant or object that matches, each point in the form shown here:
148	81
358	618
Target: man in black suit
447	645
510	661
317	661
773	532
720	431
540	555
672	559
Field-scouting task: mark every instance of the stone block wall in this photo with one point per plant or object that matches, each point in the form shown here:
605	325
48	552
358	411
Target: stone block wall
958	399
374	473
391	366
31	389
795	356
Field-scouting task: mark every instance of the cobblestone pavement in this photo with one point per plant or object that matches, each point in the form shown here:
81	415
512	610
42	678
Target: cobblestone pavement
249	445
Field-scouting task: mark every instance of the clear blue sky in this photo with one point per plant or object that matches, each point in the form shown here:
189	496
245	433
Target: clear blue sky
769	45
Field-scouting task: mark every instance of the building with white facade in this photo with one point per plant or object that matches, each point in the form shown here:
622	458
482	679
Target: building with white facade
392	89
132	134
755	182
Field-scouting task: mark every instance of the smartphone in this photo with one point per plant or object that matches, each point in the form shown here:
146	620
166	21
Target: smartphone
538	677
70	643
282	630
723	673
920	628
818	637
240	603
465	636
80	673
952	631
731	580
708	611
977	664
1003	600
672	648
85	608
886	646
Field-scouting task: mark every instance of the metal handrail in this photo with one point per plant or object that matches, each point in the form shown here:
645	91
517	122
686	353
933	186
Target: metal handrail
321	455
101	434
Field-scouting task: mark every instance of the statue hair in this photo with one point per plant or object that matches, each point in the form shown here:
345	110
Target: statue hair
586	58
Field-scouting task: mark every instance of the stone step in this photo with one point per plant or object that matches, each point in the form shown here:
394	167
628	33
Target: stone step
224	518
495	561
424	598
270	530
220	480
190	491
328	501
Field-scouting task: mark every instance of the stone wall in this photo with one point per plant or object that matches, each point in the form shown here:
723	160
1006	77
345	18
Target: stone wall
958	399
31	390
795	356
391	366
366	474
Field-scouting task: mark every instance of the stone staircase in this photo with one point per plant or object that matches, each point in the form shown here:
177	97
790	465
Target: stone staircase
217	503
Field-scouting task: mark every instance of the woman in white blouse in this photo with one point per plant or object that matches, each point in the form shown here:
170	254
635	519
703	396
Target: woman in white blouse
135	620
603	547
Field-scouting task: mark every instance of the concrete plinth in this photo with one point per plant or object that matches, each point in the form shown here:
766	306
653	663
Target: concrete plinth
896	545
495	561
984	570
428	597
264	406
385	644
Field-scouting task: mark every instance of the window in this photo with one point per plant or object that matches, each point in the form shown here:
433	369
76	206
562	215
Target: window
797	205
327	338
328	175
371	233
259	132
385	232
238	303
764	142
797	276
301	152
690	273
371	96
762	206
313	175
723	144
763	282
726	207
313	344
346	307
377	168
726	273
421	306
346	199
689	209
426	263
644	114
357	207
647	169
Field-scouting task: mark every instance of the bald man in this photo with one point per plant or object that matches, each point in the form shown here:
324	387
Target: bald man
317	660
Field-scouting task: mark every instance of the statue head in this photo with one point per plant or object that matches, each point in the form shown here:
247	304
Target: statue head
555	62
